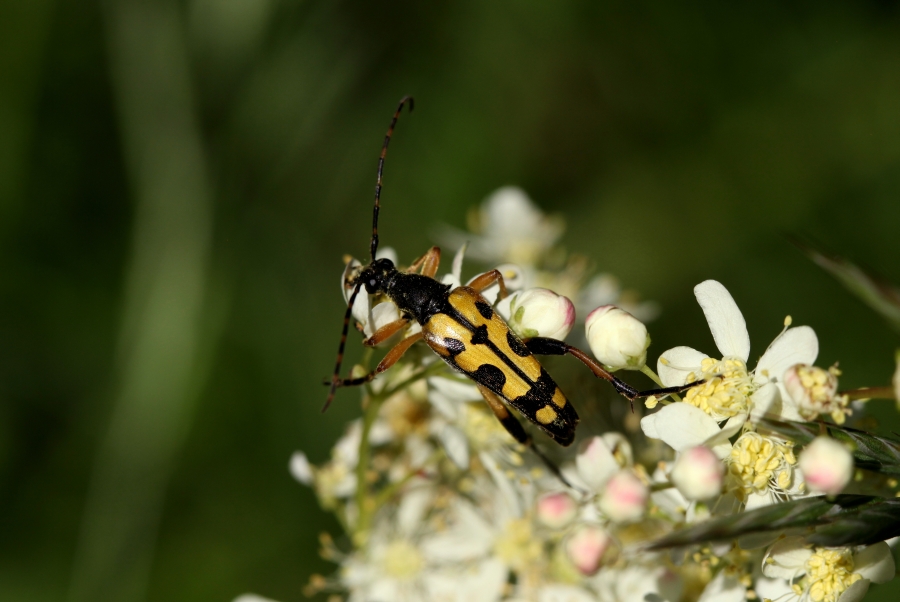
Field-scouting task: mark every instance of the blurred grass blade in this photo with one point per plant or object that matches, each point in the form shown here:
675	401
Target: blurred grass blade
160	365
871	452
806	512
870	524
881	296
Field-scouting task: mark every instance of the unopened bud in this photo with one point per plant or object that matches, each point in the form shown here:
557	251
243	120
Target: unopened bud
556	510
827	466
625	497
538	312
617	339
698	473
586	548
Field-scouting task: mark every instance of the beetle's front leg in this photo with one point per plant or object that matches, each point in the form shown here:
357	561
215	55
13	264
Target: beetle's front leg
389	360
429	263
485	280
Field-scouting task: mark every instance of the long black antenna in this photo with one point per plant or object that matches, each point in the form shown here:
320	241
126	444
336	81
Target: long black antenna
387	140
336	376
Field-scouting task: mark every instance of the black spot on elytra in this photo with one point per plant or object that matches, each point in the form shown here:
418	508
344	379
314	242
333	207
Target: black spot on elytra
454	346
491	377
517	346
484	309
540	393
480	335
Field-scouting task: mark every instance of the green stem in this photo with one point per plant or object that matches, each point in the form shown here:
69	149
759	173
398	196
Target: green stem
870	393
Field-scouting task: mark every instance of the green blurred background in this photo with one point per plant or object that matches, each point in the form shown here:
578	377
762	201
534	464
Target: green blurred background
179	182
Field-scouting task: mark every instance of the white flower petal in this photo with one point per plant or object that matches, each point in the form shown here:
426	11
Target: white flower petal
675	365
680	425
564	593
596	463
457	263
875	563
719	443
414	505
772	589
724	318
724	588
796	346
786	559
455	444
300	468
482	581
252	598
468	536
855	592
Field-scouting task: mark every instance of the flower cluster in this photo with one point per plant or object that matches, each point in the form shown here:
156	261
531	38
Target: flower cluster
439	502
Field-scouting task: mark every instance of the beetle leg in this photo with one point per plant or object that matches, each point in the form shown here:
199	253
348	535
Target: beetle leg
546	346
514	428
389	360
386	332
488	278
428	262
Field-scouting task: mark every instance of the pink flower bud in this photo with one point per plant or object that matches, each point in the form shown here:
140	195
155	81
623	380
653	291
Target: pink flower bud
625	497
538	312
827	466
556	510
586	548
617	339
698	473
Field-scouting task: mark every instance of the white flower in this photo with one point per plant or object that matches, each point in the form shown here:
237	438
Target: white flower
513	229
370	317
698	473
827	465
814	390
538	312
800	572
617	339
730	388
409	557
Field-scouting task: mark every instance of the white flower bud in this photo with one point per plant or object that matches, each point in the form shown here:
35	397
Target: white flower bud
586	548
827	466
624	498
617	339
538	312
698	473
556	510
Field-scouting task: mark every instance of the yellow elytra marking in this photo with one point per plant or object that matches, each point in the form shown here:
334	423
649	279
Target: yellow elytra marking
559	399
545	415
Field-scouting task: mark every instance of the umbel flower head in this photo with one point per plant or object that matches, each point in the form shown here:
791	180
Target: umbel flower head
439	502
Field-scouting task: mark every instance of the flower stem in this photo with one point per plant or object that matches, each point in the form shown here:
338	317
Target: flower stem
870	393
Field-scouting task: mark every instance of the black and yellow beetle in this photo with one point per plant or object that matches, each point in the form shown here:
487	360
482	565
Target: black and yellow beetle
463	329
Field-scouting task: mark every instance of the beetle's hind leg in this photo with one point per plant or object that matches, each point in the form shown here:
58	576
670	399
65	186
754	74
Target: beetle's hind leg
514	428
546	346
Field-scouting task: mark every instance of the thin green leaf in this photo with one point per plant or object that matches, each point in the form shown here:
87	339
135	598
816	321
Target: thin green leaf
798	514
881	296
871	524
871	452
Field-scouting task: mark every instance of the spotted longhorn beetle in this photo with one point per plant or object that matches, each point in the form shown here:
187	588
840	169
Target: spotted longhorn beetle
464	330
